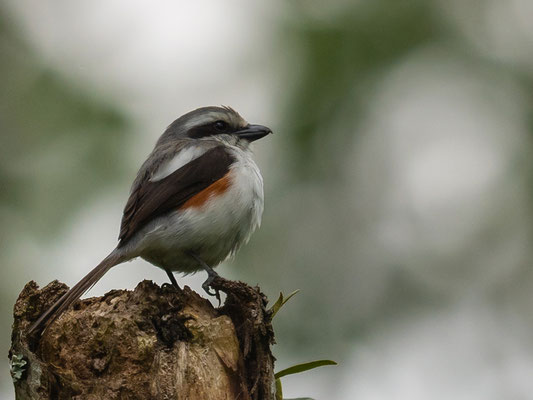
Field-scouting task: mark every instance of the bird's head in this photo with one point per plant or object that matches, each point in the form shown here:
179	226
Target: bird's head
214	122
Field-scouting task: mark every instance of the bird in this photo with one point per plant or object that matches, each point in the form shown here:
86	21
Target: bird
196	200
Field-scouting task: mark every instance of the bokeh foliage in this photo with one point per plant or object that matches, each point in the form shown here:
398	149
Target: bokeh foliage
44	117
337	61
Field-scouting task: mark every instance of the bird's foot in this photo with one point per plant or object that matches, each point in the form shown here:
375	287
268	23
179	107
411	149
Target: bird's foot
211	276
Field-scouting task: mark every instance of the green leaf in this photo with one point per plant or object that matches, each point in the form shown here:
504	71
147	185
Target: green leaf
296	369
280	302
279	391
300	398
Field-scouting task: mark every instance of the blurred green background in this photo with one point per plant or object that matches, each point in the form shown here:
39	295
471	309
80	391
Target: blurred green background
398	181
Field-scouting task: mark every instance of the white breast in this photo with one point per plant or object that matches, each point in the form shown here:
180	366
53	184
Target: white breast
226	221
214	230
246	192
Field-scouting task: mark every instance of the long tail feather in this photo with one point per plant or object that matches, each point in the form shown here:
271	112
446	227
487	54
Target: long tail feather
76	291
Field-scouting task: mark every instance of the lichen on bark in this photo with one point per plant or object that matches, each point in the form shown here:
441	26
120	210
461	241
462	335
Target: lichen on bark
150	343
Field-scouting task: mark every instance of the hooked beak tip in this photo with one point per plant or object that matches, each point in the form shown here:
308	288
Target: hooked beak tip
254	132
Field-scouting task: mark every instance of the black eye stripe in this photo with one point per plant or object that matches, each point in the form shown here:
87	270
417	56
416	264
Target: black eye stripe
209	130
201	131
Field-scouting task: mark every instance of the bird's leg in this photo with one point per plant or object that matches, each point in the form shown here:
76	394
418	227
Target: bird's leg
211	275
172	279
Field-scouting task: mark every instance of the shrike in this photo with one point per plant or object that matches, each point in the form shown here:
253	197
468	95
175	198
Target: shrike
196	199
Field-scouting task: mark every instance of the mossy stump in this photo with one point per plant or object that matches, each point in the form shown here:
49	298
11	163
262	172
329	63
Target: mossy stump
150	343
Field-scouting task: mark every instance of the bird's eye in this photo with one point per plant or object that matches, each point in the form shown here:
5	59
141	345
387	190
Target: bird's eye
221	126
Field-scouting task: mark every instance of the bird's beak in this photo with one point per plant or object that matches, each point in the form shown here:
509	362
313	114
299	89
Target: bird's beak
253	132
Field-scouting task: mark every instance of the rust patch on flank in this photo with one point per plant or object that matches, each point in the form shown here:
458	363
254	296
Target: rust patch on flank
215	189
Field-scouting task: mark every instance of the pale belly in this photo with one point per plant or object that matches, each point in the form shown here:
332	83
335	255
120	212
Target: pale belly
213	231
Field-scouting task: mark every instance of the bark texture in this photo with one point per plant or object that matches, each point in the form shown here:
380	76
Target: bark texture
150	343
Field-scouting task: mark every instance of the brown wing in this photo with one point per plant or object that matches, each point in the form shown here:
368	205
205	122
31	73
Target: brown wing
153	199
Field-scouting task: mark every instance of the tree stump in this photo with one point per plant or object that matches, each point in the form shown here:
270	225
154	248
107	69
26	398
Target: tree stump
150	343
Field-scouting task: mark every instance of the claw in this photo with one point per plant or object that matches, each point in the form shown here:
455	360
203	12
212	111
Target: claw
211	275
207	287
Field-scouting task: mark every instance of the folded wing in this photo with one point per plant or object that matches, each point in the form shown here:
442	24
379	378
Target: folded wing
151	199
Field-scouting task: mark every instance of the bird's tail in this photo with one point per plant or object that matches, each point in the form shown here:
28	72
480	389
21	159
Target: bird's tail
77	291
